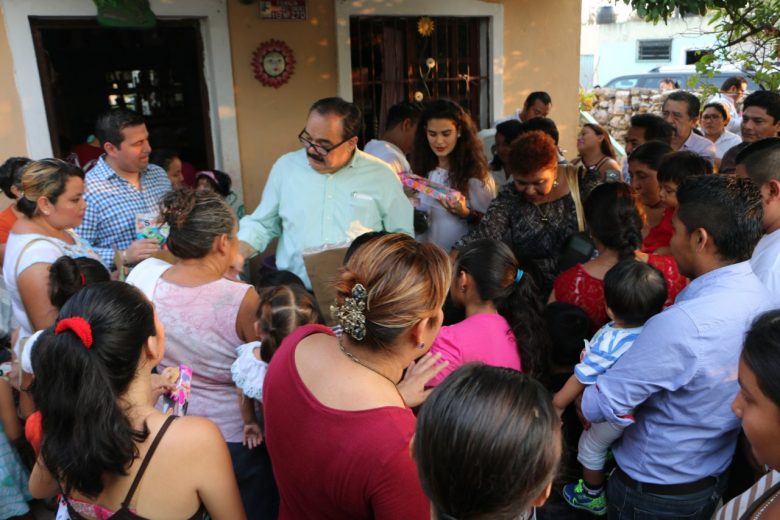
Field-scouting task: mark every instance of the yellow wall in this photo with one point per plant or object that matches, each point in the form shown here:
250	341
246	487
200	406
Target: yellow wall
12	136
542	52
270	119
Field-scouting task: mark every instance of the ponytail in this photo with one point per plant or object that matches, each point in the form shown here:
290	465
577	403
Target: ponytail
499	279
81	372
68	275
615	218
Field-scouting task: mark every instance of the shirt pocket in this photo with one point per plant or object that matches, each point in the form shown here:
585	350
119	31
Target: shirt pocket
365	214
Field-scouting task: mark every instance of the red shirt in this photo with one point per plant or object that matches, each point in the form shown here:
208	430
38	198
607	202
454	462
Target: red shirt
661	234
7	221
579	288
332	463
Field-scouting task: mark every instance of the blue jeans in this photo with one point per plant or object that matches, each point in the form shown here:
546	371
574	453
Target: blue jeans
625	503
256	481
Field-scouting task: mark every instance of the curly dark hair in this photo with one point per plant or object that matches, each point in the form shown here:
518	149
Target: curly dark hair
467	160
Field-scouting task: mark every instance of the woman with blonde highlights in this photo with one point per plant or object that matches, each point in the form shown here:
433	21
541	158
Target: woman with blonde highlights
337	428
52	200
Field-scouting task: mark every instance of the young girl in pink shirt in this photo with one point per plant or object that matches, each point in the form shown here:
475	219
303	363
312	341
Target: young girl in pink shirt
504	325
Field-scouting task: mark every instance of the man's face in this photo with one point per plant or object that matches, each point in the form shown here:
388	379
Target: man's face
409	130
758	124
682	248
329	152
535	109
132	154
676	114
634	137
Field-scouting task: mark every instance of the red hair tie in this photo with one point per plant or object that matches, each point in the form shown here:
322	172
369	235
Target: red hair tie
83	281
79	326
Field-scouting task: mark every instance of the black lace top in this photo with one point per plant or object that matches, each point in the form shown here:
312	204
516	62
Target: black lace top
533	232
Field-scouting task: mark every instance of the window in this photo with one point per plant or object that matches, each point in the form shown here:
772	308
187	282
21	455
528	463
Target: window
654	50
392	62
692	56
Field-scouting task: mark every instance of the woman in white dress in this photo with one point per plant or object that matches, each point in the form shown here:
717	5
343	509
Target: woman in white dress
448	151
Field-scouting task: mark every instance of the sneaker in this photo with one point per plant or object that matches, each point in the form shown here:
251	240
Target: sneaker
576	497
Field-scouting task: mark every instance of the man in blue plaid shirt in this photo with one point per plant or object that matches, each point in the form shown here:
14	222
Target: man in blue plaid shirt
121	187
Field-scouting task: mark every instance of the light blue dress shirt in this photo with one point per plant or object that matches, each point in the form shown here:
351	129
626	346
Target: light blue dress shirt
680	378
308	210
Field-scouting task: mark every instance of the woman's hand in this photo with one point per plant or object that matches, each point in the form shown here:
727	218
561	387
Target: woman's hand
412	386
164	383
457	207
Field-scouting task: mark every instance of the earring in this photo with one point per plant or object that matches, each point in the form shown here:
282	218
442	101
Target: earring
555	183
420	346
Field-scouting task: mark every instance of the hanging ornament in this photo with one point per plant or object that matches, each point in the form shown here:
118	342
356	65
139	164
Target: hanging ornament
274	63
430	63
425	26
418	96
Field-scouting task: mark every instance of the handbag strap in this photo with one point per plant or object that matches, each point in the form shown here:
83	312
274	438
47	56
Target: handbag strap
572	174
27	246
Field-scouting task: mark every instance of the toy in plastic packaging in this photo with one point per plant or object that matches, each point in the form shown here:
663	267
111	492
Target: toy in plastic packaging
176	401
148	225
434	190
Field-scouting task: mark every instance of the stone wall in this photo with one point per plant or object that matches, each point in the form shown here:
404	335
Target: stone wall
613	108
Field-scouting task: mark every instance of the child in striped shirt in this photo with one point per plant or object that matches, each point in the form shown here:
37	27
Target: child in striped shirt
634	292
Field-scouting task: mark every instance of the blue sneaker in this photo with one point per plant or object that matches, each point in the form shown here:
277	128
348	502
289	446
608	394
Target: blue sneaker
576	497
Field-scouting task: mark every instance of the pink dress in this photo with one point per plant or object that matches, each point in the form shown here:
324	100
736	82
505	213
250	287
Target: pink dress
200	331
486	338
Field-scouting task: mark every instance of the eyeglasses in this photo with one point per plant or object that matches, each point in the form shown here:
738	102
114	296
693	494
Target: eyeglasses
319	149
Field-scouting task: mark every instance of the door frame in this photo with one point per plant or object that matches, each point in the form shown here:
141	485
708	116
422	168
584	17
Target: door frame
217	69
492	10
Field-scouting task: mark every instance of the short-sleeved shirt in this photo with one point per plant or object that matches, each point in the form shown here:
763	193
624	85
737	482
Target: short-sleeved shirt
7	221
486	338
26	249
113	203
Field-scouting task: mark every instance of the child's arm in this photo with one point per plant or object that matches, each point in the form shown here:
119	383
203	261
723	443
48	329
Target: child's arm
567	394
252	434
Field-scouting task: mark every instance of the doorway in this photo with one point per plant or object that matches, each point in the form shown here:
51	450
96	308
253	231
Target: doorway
86	69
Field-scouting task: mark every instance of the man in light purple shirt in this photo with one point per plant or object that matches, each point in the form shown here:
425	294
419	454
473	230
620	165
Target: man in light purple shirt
681	110
680	377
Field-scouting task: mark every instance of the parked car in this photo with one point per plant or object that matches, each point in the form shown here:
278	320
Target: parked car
678	74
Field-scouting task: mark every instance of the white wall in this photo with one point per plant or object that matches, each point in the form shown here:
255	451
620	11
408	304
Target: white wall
614	46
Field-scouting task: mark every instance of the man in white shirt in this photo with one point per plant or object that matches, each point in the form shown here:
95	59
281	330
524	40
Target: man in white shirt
731	93
397	141
761	163
681	110
537	104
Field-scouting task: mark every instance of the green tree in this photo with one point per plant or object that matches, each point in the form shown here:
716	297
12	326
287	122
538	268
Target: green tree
747	33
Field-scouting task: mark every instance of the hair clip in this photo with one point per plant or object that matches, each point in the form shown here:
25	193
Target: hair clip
519	275
351	314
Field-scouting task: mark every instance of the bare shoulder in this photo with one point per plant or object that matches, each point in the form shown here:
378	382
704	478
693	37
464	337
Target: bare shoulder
191	432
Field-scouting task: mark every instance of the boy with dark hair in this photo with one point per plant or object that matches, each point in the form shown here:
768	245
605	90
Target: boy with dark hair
679	373
634	292
674	169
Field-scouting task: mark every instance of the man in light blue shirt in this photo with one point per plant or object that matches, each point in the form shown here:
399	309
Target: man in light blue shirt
327	193
680	376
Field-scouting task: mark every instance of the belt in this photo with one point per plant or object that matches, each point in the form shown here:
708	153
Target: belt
666	489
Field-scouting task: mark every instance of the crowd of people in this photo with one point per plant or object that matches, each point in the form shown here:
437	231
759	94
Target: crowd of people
491	322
